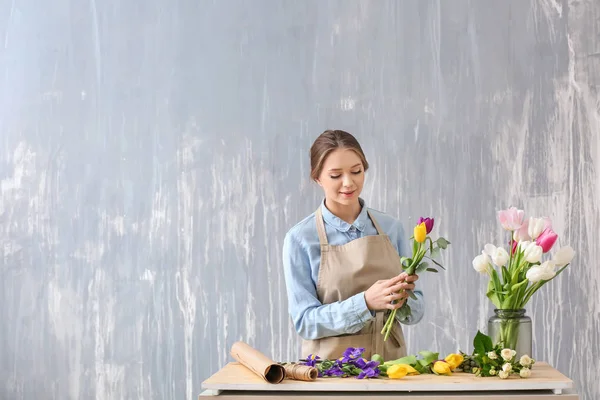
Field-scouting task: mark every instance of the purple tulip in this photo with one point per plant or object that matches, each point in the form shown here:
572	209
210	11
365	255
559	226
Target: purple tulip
428	223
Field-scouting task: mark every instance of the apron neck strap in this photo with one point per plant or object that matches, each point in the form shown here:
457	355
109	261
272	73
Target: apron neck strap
379	230
321	226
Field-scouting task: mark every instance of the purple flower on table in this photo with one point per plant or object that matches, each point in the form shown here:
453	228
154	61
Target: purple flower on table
311	360
335	370
368	373
364	364
351	354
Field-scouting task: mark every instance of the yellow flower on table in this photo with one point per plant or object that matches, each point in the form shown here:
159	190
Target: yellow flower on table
454	360
398	371
442	368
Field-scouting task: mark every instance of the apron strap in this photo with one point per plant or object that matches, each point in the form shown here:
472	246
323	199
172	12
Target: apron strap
379	230
321	226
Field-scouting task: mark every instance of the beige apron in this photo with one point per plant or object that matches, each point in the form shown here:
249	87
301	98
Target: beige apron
350	269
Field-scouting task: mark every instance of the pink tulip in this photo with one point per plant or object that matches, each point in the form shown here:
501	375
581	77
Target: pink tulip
521	234
546	239
514	246
428	223
511	219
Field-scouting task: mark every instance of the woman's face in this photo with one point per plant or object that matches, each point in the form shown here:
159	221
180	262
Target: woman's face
342	177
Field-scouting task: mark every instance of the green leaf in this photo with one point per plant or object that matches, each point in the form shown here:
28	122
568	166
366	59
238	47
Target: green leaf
411	360
431	270
443	243
403	312
429	356
421	267
411	295
405	261
438	264
420	368
482	343
435	253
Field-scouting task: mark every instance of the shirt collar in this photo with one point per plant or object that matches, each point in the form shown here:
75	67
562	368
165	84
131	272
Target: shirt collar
360	223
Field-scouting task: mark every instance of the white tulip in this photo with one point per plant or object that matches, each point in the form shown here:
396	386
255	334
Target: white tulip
525	373
523	245
542	272
480	263
537	226
533	253
500	256
489	249
563	256
503	375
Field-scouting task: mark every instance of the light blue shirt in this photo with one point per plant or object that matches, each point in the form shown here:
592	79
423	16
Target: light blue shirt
301	261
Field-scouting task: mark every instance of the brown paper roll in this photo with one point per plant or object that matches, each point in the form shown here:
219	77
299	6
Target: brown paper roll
300	372
257	362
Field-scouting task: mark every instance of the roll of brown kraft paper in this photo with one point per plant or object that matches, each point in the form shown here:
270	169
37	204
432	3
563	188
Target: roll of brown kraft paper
300	372
257	362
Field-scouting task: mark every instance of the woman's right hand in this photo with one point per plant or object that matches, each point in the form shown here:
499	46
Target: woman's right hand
381	295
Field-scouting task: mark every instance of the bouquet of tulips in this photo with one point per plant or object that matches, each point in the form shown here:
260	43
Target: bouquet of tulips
422	247
516	274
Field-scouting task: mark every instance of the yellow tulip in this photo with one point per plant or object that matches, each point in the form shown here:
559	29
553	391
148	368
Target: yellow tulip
420	232
454	360
442	368
398	371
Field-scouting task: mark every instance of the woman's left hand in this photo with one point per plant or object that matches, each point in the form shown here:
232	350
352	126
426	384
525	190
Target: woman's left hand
408	281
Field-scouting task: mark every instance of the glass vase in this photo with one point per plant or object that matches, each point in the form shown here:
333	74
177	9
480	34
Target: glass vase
513	329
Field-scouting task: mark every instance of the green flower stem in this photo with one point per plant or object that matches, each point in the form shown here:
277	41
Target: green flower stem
509	332
410	270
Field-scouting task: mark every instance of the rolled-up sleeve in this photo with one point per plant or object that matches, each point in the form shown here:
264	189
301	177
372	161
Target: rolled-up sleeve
313	320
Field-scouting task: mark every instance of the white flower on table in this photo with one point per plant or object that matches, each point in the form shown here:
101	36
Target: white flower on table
492	355
507	354
503	375
507	367
525	373
525	360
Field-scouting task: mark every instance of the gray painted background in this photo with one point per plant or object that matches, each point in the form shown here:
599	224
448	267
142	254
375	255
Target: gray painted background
154	153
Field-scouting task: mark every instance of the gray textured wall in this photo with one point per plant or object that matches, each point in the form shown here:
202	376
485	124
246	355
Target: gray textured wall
154	153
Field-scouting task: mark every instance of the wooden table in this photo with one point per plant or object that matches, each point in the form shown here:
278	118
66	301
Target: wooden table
234	381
